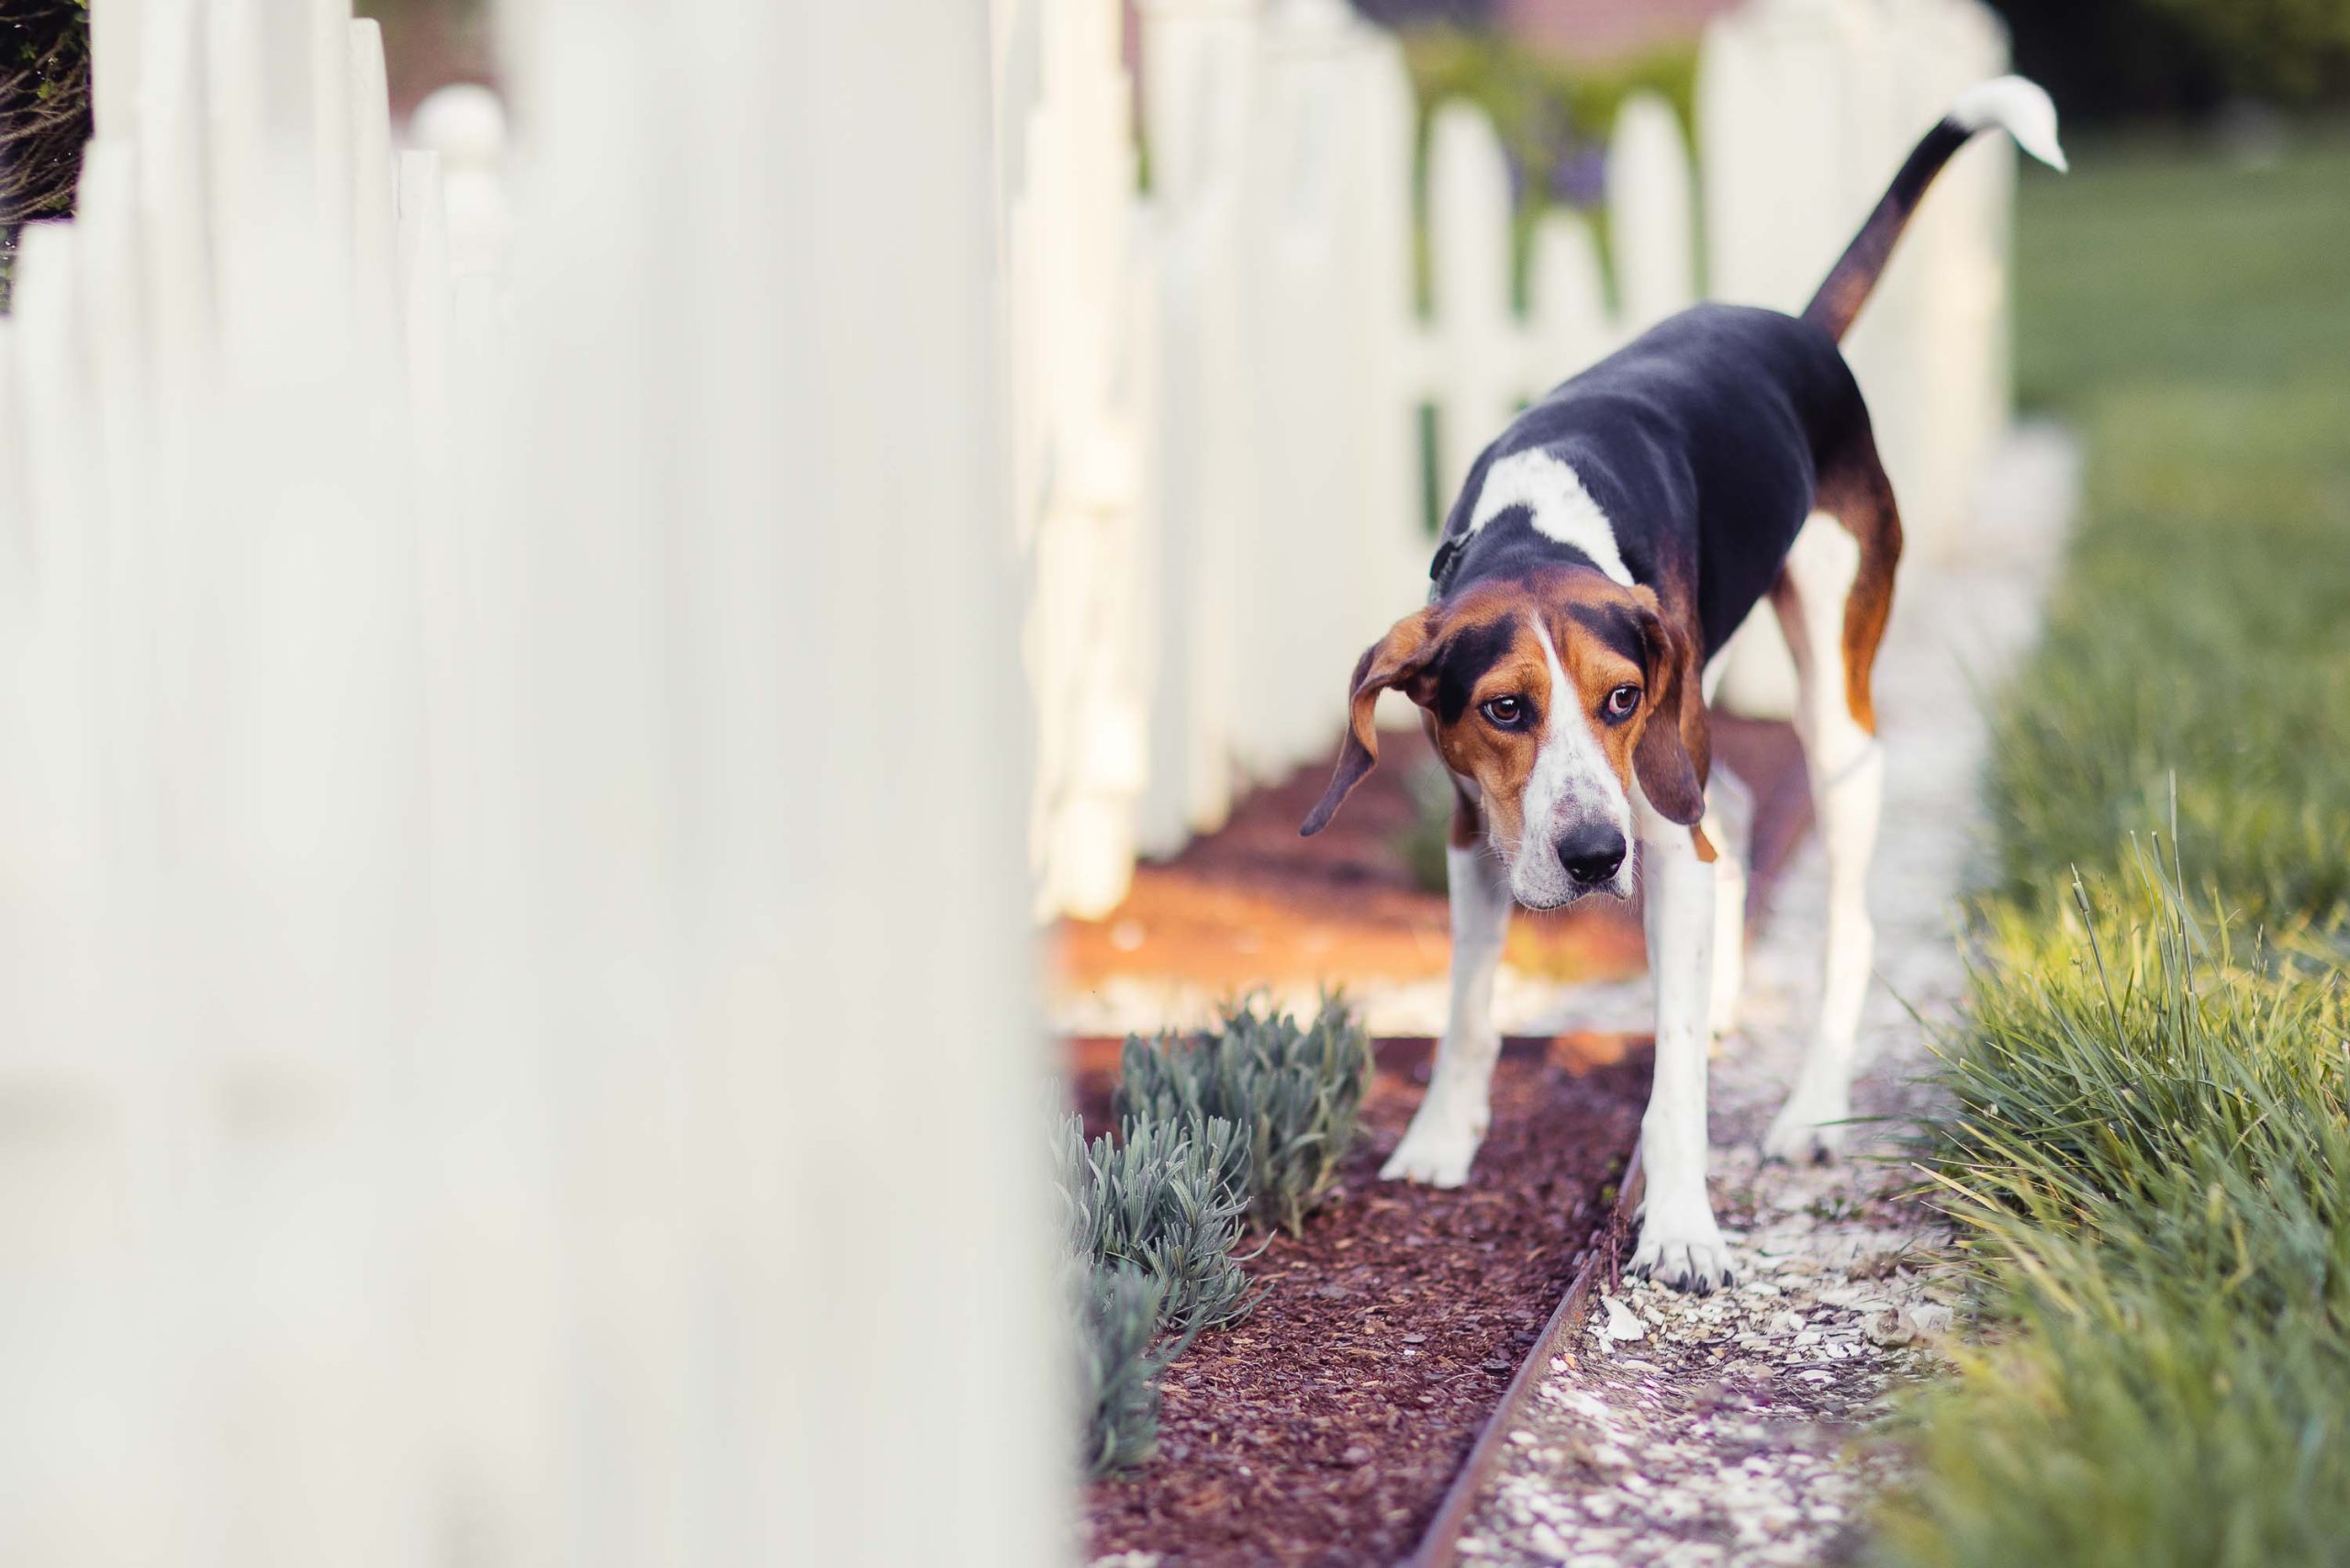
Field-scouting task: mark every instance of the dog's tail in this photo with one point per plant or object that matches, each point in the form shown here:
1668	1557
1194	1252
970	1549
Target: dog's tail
2011	102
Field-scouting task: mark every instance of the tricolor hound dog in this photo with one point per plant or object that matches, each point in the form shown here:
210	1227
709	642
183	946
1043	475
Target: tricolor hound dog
1601	553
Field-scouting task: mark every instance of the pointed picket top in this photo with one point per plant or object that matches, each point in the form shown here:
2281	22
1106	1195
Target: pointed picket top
1566	299
1469	217
1474	365
1650	209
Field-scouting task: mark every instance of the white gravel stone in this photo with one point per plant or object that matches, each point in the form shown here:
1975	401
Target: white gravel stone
1930	1317
1622	1324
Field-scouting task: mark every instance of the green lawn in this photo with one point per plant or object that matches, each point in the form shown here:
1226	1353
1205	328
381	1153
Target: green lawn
2150	1154
2192	318
2156	262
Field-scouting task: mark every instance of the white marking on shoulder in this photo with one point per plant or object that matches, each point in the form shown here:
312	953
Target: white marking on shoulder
2018	105
1562	509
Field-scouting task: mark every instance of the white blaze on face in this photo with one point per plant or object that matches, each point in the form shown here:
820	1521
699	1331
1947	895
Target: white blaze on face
1571	787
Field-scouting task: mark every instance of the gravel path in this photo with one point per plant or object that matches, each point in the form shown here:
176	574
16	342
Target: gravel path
1722	1430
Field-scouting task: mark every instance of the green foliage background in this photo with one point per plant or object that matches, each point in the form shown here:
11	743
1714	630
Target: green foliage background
2135	59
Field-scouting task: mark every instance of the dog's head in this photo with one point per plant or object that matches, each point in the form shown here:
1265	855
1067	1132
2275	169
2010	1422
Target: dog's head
1551	694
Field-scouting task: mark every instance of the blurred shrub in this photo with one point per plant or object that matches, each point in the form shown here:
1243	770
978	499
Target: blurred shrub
2104	59
1295	1090
1552	117
2288	51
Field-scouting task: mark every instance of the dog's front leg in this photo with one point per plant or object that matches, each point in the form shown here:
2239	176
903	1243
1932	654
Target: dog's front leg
1680	1244
1451	1120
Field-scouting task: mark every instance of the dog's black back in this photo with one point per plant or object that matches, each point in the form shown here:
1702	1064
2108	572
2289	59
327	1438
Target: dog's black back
1703	441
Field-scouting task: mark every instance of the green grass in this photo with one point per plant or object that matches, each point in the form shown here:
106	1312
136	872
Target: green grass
2149	1155
2192	318
2158	261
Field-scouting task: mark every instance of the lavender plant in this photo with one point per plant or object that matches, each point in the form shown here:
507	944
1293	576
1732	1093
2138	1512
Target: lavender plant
1116	1308
1168	1200
1295	1090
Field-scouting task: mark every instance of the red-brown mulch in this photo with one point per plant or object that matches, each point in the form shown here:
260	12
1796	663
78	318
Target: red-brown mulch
1324	1428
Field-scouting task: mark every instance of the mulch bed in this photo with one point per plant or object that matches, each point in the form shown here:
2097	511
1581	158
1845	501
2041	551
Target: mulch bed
1324	1428
1253	903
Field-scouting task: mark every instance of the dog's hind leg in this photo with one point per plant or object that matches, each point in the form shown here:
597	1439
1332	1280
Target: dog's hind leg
1451	1123
1832	601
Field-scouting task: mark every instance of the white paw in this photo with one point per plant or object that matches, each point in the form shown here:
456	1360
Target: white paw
1687	1254
1438	1145
1810	1128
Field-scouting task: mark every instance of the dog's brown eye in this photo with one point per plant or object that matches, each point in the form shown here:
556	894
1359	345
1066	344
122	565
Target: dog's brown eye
1506	712
1621	702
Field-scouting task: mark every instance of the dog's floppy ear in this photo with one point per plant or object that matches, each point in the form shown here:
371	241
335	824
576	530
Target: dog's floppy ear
1667	760
1395	660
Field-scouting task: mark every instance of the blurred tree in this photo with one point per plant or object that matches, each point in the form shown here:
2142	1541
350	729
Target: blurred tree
44	115
2288	51
44	106
2111	58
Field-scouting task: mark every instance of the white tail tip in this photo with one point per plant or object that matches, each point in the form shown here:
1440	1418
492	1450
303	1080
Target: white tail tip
2017	106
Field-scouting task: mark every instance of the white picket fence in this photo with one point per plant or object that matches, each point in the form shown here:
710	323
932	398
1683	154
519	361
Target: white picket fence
1220	381
514	1039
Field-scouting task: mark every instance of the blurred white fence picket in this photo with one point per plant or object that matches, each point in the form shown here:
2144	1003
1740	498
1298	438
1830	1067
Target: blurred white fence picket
1268	379
471	732
1068	227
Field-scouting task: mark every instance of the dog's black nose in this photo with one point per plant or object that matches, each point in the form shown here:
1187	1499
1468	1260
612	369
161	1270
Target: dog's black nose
1591	854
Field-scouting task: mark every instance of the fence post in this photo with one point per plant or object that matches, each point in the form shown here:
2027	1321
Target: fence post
739	550
1313	330
1199	61
1077	467
172	135
369	181
62	1222
114	47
